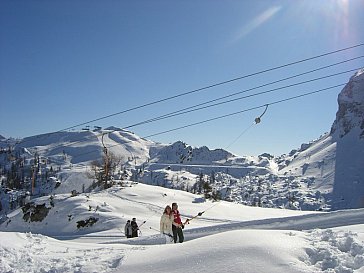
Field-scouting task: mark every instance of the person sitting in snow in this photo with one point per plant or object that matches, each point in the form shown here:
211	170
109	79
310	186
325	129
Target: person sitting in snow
166	223
177	224
134	228
128	229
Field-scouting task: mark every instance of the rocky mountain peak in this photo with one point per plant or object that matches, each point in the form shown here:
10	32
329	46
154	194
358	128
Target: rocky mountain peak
350	115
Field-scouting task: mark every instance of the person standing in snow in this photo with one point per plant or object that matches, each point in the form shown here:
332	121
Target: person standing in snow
166	223
128	229
177	224
134	227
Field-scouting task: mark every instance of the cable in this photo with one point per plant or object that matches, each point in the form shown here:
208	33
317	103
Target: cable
216	84
212	85
226	115
236	93
194	107
242	111
263	85
181	112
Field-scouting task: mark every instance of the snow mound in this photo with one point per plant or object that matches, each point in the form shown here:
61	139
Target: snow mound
35	253
339	252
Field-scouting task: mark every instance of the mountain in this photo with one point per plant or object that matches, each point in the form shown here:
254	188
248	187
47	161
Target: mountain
335	161
350	116
348	133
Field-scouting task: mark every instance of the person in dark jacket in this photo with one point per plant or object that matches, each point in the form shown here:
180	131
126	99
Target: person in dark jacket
177	224
134	228
128	229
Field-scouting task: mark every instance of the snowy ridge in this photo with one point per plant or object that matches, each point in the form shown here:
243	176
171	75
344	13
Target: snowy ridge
129	147
180	152
79	147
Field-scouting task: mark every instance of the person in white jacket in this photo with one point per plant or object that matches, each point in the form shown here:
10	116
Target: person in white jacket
166	223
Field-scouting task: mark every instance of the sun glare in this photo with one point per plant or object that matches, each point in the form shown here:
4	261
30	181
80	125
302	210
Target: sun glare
333	14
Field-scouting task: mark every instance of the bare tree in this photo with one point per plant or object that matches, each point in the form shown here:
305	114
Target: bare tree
102	170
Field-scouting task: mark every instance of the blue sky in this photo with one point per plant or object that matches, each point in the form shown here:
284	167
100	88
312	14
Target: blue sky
68	62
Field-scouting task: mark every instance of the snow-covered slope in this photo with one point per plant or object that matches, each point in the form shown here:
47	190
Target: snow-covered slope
227	237
114	206
132	149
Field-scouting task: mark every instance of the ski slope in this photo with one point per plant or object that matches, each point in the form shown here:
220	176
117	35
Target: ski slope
228	237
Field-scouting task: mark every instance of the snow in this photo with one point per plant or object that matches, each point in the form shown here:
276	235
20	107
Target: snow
228	237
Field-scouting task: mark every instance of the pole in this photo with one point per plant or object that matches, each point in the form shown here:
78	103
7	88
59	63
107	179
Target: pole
33	180
106	160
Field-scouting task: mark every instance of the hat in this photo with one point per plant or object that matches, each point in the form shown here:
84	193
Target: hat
134	219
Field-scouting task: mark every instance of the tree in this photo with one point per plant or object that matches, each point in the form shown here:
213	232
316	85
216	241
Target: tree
207	189
97	172
103	170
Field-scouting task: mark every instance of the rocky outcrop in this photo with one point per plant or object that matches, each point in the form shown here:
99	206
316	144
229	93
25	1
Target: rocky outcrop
350	115
348	132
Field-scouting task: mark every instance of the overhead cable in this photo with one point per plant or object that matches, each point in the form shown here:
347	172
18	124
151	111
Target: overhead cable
214	85
224	116
196	108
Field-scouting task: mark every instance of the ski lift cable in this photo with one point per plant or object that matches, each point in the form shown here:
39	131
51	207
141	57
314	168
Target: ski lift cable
193	108
217	84
181	112
213	85
253	88
217	99
227	115
245	110
234	100
189	109
224	116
